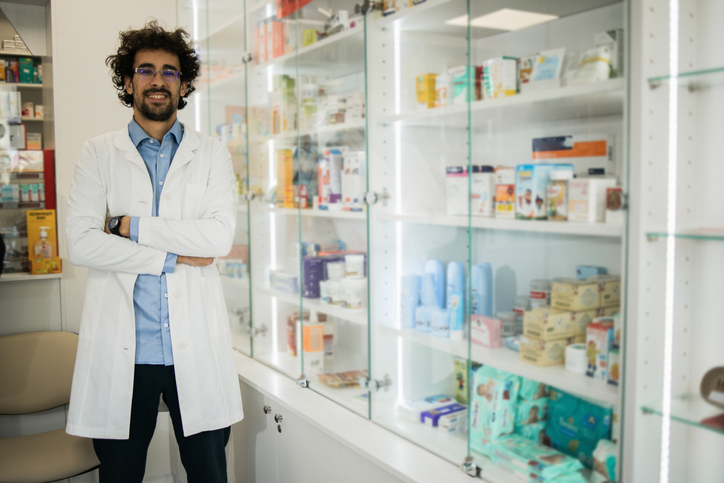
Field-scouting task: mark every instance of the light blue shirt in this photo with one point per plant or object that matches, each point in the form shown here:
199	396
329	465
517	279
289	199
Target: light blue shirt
150	295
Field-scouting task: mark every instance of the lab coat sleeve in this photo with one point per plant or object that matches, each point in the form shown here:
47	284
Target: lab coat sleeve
212	234
88	244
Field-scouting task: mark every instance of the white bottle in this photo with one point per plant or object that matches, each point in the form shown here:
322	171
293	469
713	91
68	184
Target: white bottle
43	247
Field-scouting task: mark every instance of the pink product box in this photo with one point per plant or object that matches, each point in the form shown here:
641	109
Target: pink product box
485	331
432	417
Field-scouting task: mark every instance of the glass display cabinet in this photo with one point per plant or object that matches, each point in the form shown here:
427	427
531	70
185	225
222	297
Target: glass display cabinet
681	247
430	212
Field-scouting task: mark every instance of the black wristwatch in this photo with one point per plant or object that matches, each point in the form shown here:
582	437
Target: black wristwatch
114	225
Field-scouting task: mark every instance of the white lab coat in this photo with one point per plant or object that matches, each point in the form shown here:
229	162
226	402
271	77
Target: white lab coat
196	218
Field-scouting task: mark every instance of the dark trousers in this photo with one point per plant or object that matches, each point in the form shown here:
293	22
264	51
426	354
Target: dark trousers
203	454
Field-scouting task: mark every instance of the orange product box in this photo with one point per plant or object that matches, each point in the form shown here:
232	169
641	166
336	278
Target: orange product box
285	174
504	192
277	37
42	242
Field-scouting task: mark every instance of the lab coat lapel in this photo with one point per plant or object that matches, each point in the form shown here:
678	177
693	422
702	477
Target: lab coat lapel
185	152
123	143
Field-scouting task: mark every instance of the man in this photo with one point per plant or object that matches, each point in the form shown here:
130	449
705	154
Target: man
150	207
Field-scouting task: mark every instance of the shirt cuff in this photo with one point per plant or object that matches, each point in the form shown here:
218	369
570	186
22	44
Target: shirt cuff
134	228
170	265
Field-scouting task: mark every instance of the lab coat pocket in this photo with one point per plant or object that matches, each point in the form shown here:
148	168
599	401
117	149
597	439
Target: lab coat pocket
193	200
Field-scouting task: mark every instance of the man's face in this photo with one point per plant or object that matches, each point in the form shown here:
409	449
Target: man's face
155	98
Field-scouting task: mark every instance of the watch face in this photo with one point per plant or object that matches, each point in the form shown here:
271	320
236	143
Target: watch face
113	224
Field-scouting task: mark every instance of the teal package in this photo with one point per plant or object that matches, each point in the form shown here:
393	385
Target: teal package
575	426
531	389
534	432
532	460
605	460
530	412
493	404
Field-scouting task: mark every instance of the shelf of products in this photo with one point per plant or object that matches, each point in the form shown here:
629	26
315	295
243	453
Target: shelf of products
314	213
357	316
690	409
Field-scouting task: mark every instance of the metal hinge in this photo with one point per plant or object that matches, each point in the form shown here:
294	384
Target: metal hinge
246	57
469	467
378	384
248	195
302	382
371	197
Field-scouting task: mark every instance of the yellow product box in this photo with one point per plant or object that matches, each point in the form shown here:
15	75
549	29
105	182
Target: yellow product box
543	323
285	175
543	352
581	319
575	295
609	287
42	242
309	37
426	91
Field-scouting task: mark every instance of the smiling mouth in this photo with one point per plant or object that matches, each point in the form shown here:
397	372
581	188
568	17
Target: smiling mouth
157	96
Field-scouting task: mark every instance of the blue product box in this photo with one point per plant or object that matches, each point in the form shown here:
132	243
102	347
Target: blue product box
432	417
584	272
313	270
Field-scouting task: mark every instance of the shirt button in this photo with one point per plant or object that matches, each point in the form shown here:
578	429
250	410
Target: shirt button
165	325
182	345
162	155
166	295
168	196
160	182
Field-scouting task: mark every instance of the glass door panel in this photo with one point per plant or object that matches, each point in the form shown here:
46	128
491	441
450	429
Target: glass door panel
274	211
547	133
420	133
329	186
218	108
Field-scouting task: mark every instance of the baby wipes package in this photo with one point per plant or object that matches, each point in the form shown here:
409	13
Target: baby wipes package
529	460
605	461
530	412
534	432
493	406
531	389
575	426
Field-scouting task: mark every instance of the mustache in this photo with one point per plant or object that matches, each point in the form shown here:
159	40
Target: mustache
148	92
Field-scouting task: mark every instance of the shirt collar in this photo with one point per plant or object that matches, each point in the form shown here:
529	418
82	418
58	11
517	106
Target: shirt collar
138	135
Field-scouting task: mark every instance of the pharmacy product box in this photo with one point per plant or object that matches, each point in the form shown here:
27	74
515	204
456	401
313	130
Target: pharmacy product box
442	91
261	41
412	409
485	331
454	423
353	180
584	272
277	38
575	295
531	186
456	181
42	242
599	340
584	152
28	109
581	319
309	37
543	352
269	37
432	416
330	179
608	311
504	192
285	178
500	77
313	344
25	65
614	40
546	324
461	82
610	288
615	206
283	281
587	199
482	181
31	161
39	111
461	377
614	362
425	89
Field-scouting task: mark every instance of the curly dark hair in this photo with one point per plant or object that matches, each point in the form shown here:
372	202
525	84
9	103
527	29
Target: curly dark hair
152	37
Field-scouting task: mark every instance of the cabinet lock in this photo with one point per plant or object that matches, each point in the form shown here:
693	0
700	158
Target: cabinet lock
371	197
378	384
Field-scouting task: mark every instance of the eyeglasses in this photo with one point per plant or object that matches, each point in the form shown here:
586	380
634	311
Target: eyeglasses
169	75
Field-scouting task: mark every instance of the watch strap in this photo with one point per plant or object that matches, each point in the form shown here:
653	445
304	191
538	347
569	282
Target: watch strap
114	226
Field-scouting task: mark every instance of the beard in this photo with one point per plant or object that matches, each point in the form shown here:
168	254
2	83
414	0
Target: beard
159	113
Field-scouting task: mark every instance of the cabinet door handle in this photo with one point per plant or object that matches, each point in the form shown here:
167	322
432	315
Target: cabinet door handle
267	409
278	418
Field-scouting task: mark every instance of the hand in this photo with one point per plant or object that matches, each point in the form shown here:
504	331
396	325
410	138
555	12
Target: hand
194	261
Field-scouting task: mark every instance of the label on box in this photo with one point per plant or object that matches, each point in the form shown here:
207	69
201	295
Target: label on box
575	295
543	352
542	323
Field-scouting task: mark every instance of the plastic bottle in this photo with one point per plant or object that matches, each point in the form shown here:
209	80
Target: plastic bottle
439	322
43	247
423	315
508	323
522	303
540	293
482	289
456	298
436	268
410	299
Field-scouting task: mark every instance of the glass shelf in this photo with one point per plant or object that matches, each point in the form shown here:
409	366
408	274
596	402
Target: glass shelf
689	409
710	234
698	78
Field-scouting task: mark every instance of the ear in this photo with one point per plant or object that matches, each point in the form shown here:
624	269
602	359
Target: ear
129	84
182	89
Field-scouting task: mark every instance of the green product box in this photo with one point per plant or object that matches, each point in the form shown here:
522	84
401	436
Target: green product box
26	70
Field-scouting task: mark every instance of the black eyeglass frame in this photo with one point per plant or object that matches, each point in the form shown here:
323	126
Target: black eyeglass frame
165	73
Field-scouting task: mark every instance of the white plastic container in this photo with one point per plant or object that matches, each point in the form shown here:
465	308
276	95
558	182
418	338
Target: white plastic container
354	292
354	265
329	292
336	270
508	323
540	293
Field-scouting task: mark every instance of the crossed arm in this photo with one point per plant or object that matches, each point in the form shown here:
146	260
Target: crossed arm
200	240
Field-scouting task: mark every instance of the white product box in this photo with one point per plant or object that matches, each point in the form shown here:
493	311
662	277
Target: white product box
504	192
587	199
613	39
483	191
457	190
